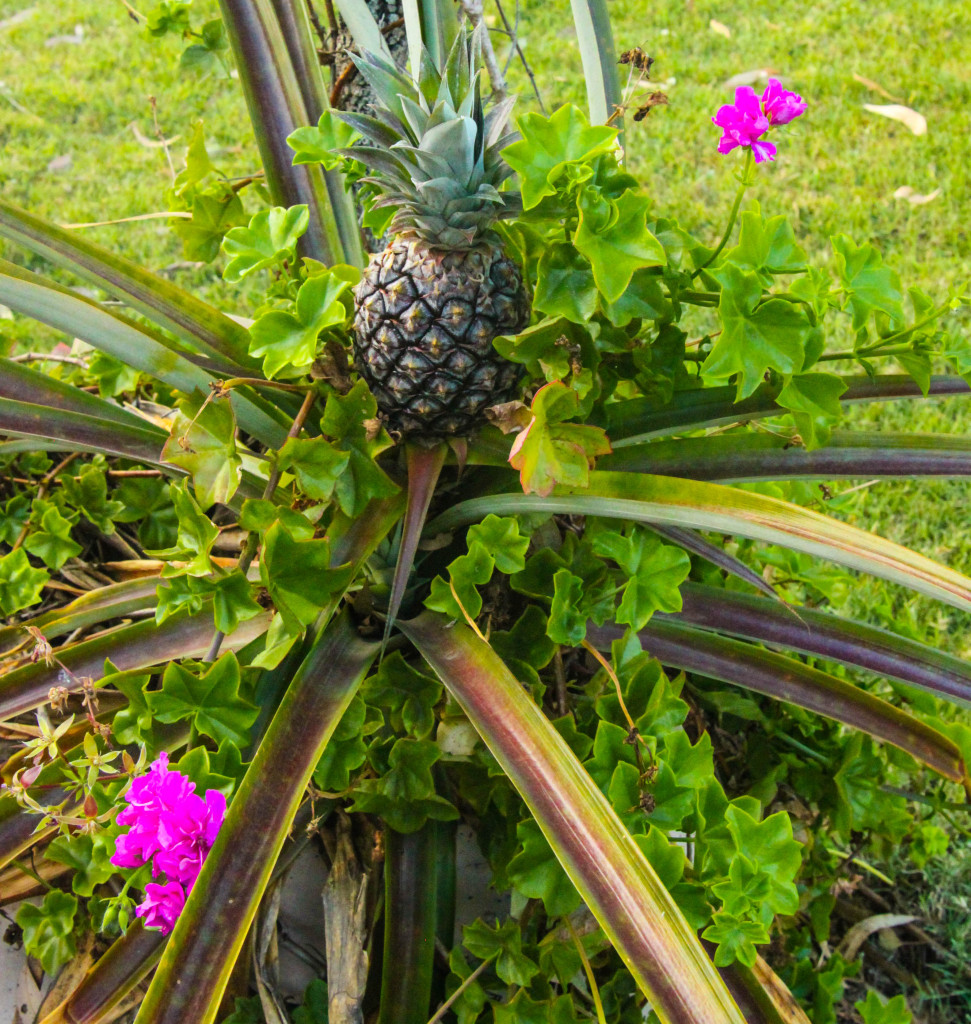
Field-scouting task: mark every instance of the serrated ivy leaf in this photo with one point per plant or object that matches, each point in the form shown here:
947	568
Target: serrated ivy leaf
269	238
315	1004
405	794
668	859
549	144
471	1001
146	501
458	597
567	623
49	929
14	516
736	938
88	855
287	339
345	418
551	451
315	463
215	212
769	844
505	943
221	770
527	640
346	750
766	247
320	144
195	539
814	401
298	575
547	349
868	284
232	602
502	539
259	514
755	337
182	593
168	16
613	236
133	723
113	376
536	873
20	583
210	702
88	493
642	299
202	441
198	166
51	541
407	696
565	285
877	1009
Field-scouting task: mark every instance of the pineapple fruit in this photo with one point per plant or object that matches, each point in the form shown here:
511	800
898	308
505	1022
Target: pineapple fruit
430	304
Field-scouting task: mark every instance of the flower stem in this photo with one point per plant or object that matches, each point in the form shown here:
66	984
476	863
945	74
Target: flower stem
733	216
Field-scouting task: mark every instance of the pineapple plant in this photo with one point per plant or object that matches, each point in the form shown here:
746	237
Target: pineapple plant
431	302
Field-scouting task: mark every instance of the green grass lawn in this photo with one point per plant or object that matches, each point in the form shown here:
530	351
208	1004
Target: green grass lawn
68	151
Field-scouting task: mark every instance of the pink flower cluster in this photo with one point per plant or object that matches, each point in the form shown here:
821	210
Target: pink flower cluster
173	829
744	122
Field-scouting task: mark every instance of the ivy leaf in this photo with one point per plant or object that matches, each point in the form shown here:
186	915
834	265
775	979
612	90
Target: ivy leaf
868	284
465	573
14	516
668	859
642	299
550	451
345	750
49	929
202	441
315	463
195	539
505	943
146	501
20	583
405	795
565	284
198	166
113	376
407	696
345	418
321	144
51	542
536	873
315	1003
168	16
769	844
269	238
502	539
613	236
211	701
814	401
232	602
259	514
471	1001
736	938
766	247
568	623
290	339
547	349
754	338
215	213
548	144
132	723
182	593
221	770
877	1009
88	855
88	493
298	575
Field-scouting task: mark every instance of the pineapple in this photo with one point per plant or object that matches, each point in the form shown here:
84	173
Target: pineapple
430	304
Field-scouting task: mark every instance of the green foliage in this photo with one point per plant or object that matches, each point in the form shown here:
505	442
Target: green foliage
203	443
49	929
268	239
20	583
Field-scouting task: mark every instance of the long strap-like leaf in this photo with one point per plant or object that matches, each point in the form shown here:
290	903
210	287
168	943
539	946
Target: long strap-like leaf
196	965
704	506
742	456
203	326
595	37
826	636
641	919
639	419
129	647
695	650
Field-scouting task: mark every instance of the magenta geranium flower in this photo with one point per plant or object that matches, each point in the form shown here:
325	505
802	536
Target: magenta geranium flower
171	827
744	122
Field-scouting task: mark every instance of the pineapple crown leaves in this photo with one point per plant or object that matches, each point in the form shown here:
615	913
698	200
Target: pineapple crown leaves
432	151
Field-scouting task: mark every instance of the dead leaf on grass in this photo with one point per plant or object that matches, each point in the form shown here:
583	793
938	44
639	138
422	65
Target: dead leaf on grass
907	116
756	75
875	86
916	198
719	29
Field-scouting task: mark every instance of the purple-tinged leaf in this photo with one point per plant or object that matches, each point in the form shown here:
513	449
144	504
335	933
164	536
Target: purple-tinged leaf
129	647
729	661
633	907
743	456
826	636
639	419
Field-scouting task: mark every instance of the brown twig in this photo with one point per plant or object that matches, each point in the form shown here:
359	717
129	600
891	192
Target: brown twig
48	357
161	137
522	57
